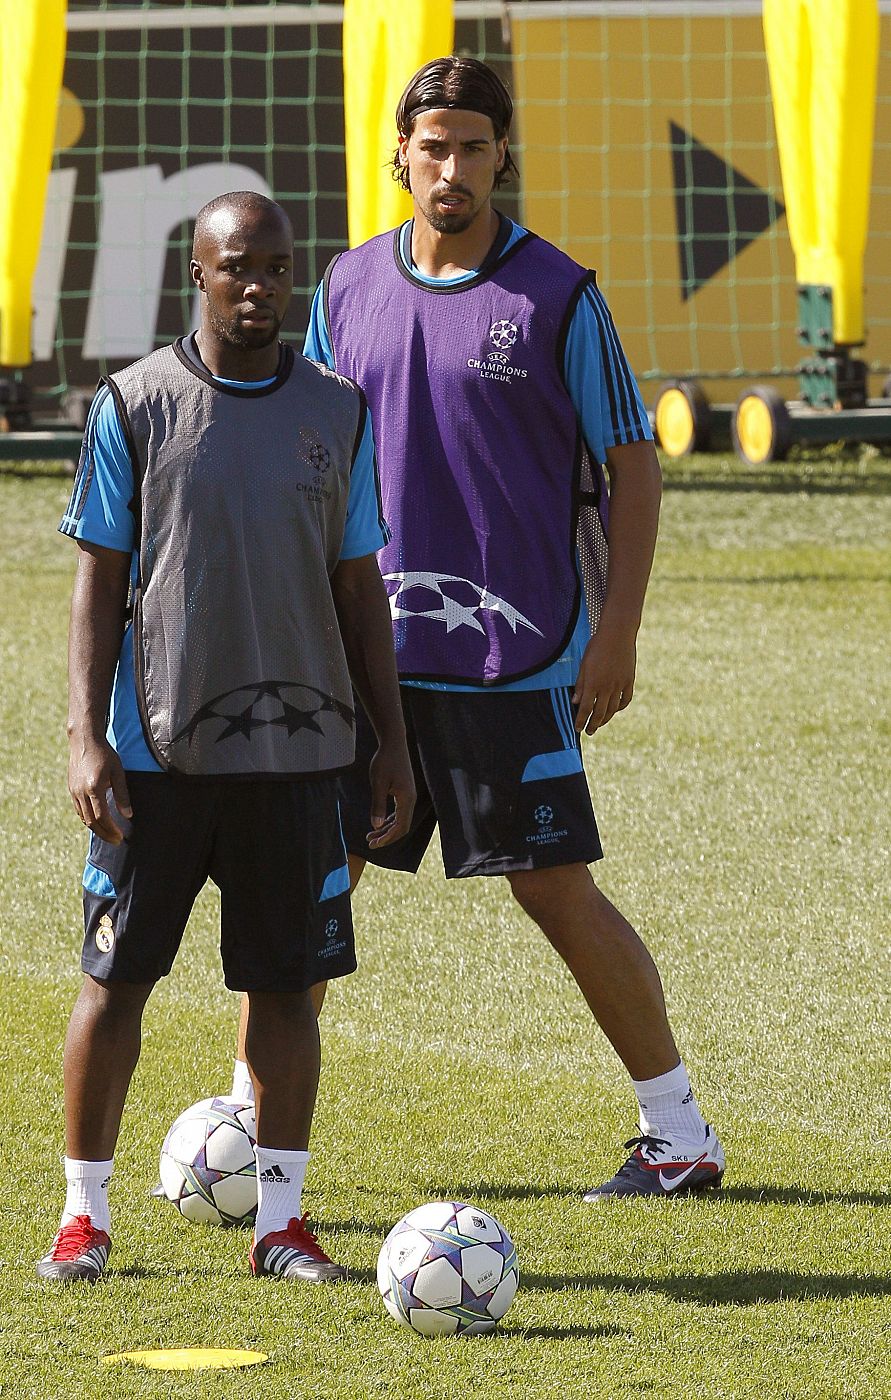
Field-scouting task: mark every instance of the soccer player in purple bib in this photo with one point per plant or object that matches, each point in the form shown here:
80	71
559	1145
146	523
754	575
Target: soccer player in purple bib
498	386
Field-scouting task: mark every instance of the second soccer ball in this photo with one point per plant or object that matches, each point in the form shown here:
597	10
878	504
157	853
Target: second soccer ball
448	1268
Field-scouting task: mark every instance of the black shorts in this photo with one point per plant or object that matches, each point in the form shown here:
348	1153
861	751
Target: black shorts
275	851
501	772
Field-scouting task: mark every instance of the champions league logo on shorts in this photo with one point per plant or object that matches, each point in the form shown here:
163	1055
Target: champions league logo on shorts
497	365
546	835
333	944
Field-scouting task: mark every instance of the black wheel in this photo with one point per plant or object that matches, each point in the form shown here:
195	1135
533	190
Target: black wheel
761	427
683	418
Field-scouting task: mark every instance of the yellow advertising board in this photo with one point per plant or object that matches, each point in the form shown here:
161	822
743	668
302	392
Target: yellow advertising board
649	153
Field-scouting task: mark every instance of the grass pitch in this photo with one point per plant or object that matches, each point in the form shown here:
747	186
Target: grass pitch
743	799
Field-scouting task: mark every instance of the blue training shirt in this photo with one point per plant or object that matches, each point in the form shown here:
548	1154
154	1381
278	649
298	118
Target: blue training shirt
99	513
604	394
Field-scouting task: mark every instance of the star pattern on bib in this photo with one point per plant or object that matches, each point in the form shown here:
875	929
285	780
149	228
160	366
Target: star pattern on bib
263	705
445	607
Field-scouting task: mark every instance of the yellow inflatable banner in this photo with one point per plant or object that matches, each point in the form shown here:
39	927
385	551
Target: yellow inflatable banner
383	45
823	57
32	54
649	153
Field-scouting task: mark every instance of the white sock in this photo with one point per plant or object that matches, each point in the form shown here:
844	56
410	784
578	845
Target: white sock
242	1084
87	1192
668	1107
280	1176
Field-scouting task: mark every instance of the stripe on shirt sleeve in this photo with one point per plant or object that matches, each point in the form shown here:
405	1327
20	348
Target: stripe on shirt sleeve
624	408
86	466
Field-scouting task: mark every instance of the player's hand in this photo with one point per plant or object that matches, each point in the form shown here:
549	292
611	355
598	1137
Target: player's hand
94	772
392	793
605	682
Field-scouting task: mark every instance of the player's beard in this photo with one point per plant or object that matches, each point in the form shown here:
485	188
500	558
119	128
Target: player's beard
458	221
246	338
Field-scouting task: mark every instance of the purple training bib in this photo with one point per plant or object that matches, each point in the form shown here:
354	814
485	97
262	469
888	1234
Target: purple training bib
479	449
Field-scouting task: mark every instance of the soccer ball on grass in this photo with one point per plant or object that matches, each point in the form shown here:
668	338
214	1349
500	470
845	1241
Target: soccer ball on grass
207	1163
448	1268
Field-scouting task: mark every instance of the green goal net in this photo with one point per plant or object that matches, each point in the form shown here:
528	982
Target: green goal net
644	137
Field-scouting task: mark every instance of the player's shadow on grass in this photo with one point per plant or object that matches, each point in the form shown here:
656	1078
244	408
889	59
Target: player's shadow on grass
720	1290
562	1334
777	1195
506	1191
800	1196
377	1228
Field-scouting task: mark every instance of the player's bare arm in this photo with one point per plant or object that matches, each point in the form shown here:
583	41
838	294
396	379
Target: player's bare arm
605	683
94	643
363	612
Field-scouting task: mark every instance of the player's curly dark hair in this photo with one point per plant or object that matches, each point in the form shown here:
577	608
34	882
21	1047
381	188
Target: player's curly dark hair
464	83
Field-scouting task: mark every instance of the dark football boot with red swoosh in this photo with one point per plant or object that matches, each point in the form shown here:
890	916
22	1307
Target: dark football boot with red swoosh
658	1167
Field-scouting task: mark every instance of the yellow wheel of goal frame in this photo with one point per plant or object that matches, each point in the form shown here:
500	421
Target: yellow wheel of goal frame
682	418
762	427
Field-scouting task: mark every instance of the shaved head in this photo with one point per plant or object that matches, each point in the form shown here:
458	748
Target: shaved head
230	213
242	263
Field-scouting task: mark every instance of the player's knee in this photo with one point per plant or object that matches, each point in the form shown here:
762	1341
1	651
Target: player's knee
557	897
273	1012
534	893
114	998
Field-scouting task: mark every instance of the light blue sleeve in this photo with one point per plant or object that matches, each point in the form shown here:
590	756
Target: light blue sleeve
365	531
99	508
599	379
317	345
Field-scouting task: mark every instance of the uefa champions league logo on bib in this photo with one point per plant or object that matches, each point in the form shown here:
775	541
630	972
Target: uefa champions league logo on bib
319	459
503	335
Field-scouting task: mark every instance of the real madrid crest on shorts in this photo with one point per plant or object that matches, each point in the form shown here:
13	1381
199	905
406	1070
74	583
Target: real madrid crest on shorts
105	934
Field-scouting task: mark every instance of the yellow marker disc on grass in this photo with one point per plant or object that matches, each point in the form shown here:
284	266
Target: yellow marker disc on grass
188	1359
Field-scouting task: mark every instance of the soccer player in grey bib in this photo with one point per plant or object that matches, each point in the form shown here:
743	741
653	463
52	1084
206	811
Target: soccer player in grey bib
230	485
